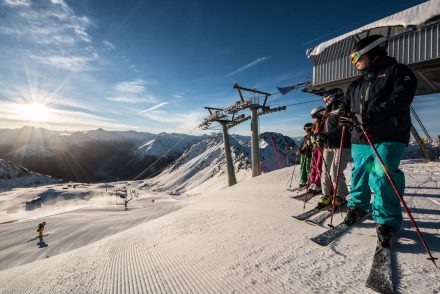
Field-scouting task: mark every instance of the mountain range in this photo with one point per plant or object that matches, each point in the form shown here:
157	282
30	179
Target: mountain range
100	155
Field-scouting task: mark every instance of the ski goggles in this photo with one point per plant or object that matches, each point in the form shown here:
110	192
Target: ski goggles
355	56
328	98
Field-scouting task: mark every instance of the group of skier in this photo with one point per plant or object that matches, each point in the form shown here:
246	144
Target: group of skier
375	108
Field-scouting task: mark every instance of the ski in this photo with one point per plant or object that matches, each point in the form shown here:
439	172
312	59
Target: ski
301	196
307	214
324	215
295	189
319	218
380	278
332	234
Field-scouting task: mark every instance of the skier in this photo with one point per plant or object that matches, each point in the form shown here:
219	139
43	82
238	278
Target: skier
306	155
331	134
40	230
315	172
379	100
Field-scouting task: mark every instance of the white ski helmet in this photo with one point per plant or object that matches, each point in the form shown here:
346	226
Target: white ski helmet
317	111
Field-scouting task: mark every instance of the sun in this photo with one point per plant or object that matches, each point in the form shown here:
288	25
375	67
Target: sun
34	112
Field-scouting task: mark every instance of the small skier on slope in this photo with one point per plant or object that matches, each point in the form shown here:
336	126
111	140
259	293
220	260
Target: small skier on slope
40	230
379	100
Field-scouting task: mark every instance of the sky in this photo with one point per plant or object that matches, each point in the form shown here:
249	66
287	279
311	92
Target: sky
154	65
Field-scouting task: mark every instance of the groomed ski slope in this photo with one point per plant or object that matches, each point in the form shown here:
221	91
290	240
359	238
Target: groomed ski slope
240	239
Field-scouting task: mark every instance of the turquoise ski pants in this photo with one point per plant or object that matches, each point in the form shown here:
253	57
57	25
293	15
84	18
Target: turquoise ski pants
367	173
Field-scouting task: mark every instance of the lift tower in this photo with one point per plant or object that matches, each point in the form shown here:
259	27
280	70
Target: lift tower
218	115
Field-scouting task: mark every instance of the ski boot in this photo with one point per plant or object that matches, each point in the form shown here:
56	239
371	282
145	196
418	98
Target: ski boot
353	215
324	201
315	190
384	235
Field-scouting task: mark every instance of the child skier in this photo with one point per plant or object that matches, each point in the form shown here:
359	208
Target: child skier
315	172
306	155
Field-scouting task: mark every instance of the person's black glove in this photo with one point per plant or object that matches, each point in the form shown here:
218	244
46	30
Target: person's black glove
350	120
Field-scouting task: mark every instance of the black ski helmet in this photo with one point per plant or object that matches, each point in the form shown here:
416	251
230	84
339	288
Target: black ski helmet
333	95
308	127
374	45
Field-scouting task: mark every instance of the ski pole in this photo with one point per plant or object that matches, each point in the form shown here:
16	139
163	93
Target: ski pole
337	176
399	195
332	188
293	172
317	171
276	152
308	181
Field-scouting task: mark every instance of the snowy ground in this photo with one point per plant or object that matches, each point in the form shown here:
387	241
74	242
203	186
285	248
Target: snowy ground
240	239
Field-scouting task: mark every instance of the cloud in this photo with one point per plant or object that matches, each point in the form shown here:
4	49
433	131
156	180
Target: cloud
51	33
68	62
127	99
17	2
135	87
109	45
60	119
249	65
134	91
176	121
155	107
179	95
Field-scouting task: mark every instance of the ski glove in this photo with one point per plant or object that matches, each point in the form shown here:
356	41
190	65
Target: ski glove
350	120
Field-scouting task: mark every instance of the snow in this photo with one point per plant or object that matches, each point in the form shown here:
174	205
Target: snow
414	16
12	176
174	143
239	239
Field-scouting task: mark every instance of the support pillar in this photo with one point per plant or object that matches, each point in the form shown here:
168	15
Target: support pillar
229	165
255	146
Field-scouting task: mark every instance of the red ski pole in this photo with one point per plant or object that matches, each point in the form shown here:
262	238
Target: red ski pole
308	181
400	196
337	176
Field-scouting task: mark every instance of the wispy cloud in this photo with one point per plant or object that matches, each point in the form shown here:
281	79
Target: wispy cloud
68	62
60	119
154	107
249	65
17	2
178	95
109	45
177	121
51	33
135	87
134	91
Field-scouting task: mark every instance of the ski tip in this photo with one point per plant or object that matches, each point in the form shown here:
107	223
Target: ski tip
319	241
310	222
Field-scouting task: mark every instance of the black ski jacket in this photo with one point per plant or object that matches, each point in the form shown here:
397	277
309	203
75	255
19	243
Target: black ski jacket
332	132
382	96
306	148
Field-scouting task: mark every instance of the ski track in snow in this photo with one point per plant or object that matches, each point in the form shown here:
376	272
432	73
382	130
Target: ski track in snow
240	240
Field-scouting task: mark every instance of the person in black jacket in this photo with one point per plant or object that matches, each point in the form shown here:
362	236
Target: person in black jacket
379	100
331	134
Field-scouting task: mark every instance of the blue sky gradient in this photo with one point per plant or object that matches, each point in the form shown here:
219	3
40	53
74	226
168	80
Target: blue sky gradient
153	65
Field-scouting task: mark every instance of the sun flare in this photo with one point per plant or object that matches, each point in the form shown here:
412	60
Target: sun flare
34	112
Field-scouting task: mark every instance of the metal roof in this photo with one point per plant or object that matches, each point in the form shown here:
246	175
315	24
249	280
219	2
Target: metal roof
416	46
